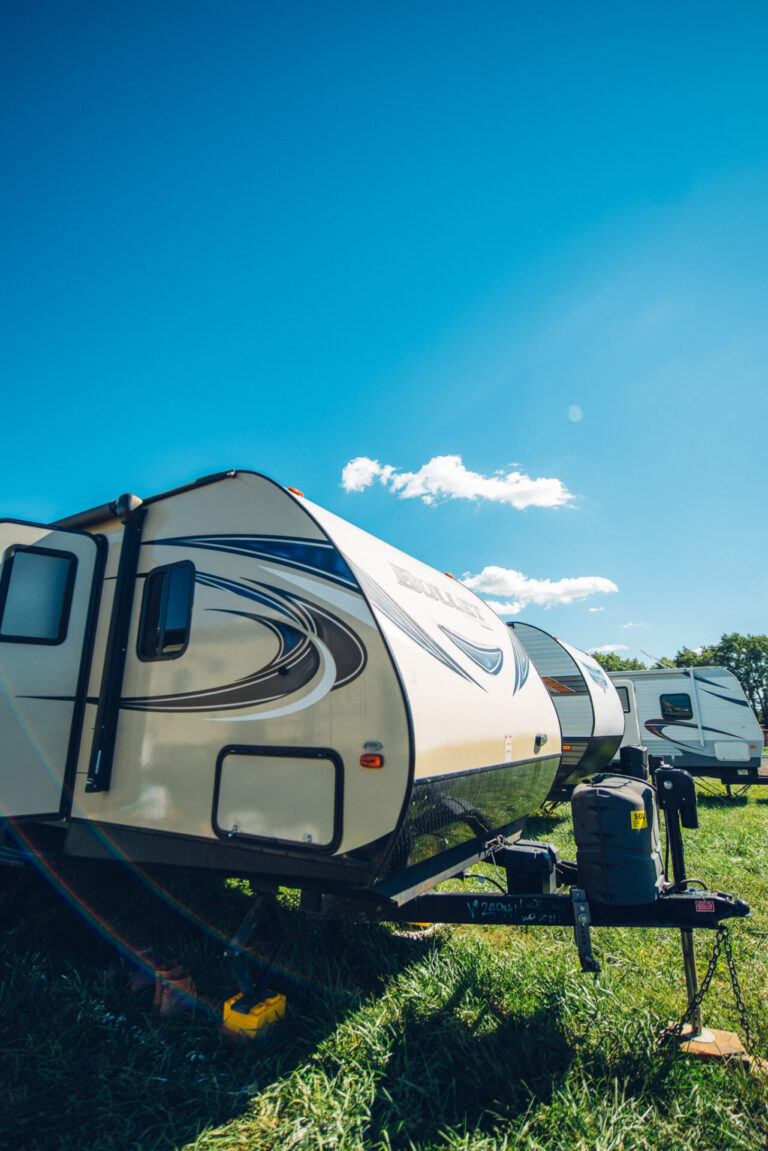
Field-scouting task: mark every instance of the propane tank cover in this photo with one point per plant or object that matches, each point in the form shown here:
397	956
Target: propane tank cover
618	849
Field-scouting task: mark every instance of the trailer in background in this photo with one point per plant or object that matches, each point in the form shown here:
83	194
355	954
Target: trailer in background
695	718
588	707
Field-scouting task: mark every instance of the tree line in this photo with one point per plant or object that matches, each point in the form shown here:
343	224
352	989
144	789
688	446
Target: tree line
745	655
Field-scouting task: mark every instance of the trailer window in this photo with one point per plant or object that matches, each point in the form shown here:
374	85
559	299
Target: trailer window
36	595
676	706
623	694
166	612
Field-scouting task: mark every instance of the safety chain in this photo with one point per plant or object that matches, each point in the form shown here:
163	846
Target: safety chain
492	846
737	990
722	944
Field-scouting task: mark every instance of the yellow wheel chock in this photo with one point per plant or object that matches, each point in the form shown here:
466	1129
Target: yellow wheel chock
246	1024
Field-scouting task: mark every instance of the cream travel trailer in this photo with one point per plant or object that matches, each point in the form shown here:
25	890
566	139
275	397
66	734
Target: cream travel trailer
227	678
696	718
587	704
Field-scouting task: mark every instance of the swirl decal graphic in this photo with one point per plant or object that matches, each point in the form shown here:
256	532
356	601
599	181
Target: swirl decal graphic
311	641
522	662
654	726
596	674
317	652
407	624
490	659
319	557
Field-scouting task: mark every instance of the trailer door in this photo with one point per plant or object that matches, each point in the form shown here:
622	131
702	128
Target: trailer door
626	693
47	603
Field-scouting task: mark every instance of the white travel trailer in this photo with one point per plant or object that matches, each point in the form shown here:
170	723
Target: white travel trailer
228	677
695	718
587	704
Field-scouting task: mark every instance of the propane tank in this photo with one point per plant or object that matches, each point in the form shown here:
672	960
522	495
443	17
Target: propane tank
618	851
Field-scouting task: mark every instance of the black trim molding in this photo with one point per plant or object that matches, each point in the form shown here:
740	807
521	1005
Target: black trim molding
105	732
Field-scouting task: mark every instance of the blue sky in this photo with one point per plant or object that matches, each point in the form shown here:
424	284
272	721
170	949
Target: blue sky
288	236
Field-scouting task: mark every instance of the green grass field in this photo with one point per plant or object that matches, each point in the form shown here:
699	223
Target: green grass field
469	1038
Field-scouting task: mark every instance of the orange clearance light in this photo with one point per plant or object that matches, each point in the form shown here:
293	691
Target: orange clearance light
295	491
449	574
371	760
566	747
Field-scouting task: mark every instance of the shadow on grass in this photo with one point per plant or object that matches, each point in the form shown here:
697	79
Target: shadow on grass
86	1064
485	1076
540	825
721	801
444	1073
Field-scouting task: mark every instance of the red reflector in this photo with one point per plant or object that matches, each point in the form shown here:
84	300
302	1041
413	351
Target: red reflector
371	760
295	491
705	905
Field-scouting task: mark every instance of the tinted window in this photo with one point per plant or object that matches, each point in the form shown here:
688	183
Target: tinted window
166	612
623	693
35	595
676	706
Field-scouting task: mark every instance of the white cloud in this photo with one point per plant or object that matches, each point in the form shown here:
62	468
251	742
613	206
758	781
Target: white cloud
519	590
506	608
446	477
597	608
360	474
626	625
575	413
607	648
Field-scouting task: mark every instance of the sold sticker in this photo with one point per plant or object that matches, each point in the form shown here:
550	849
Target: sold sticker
639	819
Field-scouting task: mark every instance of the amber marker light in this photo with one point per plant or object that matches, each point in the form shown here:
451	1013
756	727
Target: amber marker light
450	575
566	747
296	491
371	760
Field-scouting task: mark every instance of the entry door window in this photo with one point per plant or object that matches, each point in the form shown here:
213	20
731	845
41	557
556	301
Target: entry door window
36	595
623	694
166	612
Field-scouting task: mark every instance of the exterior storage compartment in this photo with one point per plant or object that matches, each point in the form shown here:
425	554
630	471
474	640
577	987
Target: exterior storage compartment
618	853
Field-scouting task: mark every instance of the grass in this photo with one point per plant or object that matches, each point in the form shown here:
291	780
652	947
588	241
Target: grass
471	1039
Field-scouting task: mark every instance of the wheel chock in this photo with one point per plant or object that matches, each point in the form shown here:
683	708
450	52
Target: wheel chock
175	990
246	1024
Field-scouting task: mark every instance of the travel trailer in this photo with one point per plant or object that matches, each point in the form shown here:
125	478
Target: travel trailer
226	677
588	707
696	718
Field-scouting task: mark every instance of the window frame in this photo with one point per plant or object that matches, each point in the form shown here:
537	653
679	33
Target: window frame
623	693
66	603
678	716
154	573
